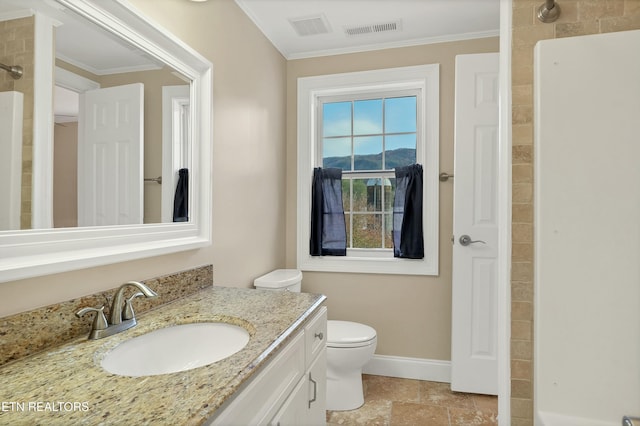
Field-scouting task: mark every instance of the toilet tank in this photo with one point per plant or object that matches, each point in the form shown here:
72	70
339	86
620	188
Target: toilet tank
280	280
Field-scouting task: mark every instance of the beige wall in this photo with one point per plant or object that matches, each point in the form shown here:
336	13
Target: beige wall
411	314
578	17
248	162
65	175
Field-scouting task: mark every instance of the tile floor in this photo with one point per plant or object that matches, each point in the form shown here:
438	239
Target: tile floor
390	401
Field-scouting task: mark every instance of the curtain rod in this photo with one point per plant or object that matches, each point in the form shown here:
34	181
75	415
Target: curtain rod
16	71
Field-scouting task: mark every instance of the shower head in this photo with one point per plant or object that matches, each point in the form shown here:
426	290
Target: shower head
548	12
15	71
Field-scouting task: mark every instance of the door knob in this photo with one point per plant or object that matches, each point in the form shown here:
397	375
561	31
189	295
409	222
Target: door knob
465	240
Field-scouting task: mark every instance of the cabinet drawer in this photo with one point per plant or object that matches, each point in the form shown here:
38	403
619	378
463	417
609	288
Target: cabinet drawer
315	335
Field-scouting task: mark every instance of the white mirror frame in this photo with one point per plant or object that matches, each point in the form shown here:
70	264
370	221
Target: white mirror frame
37	252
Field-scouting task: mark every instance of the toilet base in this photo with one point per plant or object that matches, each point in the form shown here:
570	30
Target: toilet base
345	393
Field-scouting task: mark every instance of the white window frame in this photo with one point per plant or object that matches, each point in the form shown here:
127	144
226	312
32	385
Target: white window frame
424	78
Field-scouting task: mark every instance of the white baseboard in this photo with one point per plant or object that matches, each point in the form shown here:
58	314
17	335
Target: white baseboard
409	368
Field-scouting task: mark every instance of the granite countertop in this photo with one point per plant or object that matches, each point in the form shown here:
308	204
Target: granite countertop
66	385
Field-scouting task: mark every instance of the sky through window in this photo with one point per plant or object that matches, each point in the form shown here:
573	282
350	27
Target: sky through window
363	129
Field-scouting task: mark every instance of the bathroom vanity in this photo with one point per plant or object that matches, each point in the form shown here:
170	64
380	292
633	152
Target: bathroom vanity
291	389
278	378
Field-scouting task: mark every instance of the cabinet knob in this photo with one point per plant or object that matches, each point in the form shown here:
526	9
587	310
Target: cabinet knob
319	335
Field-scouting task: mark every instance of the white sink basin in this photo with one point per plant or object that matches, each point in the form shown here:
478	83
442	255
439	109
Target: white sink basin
176	348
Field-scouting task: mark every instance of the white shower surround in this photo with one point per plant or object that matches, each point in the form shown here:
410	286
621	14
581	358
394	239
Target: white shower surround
556	419
587	230
11	107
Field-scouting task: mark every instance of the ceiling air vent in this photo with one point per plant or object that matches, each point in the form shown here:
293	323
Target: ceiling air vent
310	25
373	28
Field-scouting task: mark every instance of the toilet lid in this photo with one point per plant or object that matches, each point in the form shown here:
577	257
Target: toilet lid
348	334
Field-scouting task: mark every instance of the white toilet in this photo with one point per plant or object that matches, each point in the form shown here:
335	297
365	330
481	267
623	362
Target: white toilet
350	345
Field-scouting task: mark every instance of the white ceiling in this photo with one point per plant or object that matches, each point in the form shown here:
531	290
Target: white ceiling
418	22
80	42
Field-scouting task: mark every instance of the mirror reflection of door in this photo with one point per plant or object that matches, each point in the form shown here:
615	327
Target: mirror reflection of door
66	104
110	155
98	153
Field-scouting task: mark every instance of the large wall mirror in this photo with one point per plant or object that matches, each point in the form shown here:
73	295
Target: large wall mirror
105	134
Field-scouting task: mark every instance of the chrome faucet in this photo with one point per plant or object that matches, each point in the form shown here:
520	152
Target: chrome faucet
116	314
121	315
630	421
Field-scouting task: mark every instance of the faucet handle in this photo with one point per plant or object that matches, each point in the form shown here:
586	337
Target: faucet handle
100	321
128	313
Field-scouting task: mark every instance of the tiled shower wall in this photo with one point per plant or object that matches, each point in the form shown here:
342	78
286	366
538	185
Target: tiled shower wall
17	48
578	17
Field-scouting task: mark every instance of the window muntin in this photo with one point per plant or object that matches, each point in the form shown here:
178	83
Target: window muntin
368	137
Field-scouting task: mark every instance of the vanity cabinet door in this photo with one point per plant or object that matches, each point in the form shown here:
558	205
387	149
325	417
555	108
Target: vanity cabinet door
290	389
306	404
265	394
293	412
317	391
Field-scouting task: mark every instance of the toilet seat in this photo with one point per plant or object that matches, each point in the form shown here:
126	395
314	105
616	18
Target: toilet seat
347	334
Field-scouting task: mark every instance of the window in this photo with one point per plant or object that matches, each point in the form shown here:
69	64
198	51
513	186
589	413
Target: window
367	137
368	123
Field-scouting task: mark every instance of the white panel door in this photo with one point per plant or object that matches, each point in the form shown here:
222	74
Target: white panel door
474	364
110	156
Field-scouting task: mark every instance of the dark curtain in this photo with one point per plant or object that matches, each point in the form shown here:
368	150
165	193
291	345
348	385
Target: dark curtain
408	240
328	228
181	198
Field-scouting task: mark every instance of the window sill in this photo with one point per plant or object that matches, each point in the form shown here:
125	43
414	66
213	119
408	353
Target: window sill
368	265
